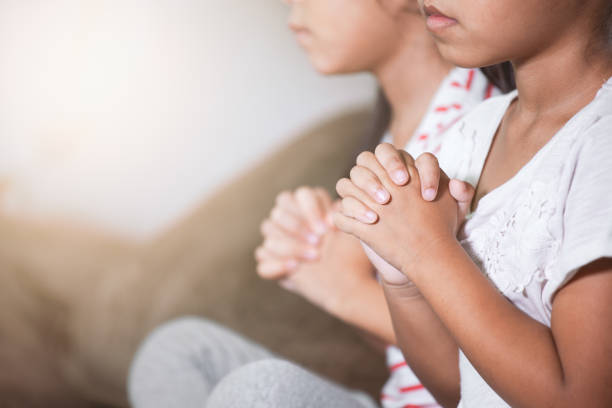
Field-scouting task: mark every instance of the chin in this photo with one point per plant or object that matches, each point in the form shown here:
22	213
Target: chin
327	67
467	58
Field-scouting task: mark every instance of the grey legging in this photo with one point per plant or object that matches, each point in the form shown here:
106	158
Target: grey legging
192	362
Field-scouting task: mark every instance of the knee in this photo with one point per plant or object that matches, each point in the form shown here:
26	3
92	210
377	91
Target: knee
169	343
266	383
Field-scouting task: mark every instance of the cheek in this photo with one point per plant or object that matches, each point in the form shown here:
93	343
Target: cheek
491	31
352	45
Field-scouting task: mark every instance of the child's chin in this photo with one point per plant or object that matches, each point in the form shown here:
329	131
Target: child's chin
465	58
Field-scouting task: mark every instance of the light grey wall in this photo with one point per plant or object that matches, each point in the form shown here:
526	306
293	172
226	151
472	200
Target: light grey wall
125	113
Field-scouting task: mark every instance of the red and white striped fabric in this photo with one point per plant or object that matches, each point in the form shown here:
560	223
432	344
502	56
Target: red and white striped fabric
461	91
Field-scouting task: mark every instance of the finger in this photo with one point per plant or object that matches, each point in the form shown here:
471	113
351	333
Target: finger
293	224
346	188
464	194
312	209
393	162
369	161
328	204
276	269
367	181
284	248
429	174
348	225
325	199
262	254
270	229
353	208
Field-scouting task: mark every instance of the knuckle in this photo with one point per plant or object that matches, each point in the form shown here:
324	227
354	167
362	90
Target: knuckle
259	254
283	197
303	192
276	213
427	158
355	172
364	157
383	148
341	185
395	162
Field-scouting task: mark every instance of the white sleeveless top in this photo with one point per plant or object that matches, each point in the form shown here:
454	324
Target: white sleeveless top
533	233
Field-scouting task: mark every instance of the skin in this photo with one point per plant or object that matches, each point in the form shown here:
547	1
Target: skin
542	366
302	249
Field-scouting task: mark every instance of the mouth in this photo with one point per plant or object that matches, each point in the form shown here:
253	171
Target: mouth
302	33
297	28
436	20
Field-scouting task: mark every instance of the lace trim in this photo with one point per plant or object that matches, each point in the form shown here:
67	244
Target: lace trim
506	247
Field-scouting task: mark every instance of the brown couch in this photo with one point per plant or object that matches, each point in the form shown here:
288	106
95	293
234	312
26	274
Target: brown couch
75	304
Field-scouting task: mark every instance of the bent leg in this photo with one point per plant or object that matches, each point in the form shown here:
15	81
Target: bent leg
276	383
180	363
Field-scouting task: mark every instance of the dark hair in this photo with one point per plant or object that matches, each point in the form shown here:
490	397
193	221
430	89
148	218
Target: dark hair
501	75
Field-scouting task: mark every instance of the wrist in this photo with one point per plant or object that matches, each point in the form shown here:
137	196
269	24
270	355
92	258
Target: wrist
430	254
348	302
406	290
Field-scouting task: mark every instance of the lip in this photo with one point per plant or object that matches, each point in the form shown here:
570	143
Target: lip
302	34
297	28
437	20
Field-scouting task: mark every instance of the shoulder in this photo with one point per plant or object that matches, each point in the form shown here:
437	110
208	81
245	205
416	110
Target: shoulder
591	133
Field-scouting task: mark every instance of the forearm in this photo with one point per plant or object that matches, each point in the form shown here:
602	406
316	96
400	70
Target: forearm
427	345
366	309
491	331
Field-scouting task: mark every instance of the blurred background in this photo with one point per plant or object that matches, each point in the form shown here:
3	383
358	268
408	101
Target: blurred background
141	143
109	106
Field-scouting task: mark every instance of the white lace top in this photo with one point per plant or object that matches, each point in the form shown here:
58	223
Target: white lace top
534	232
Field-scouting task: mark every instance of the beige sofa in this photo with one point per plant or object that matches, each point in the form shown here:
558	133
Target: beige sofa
75	304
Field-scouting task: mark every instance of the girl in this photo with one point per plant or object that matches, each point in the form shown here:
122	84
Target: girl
521	298
301	248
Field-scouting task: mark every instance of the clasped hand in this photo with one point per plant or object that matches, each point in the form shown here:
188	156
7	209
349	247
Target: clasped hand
403	209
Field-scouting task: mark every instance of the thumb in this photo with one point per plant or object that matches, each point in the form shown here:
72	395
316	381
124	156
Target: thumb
463	192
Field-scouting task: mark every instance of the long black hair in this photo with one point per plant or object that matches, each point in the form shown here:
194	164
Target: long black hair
500	75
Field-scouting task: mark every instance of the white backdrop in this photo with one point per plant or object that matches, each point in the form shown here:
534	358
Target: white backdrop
126	113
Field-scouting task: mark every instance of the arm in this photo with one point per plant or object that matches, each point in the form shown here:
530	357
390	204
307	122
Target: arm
542	367
429	349
527	363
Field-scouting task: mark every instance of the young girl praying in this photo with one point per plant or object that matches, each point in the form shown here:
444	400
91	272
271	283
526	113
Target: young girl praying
515	300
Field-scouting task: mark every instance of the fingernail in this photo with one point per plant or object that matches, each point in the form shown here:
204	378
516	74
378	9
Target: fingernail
429	194
369	217
291	264
400	176
382	196
312	238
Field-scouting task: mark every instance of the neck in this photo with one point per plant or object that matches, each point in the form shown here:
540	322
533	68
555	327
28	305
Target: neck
411	76
563	79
